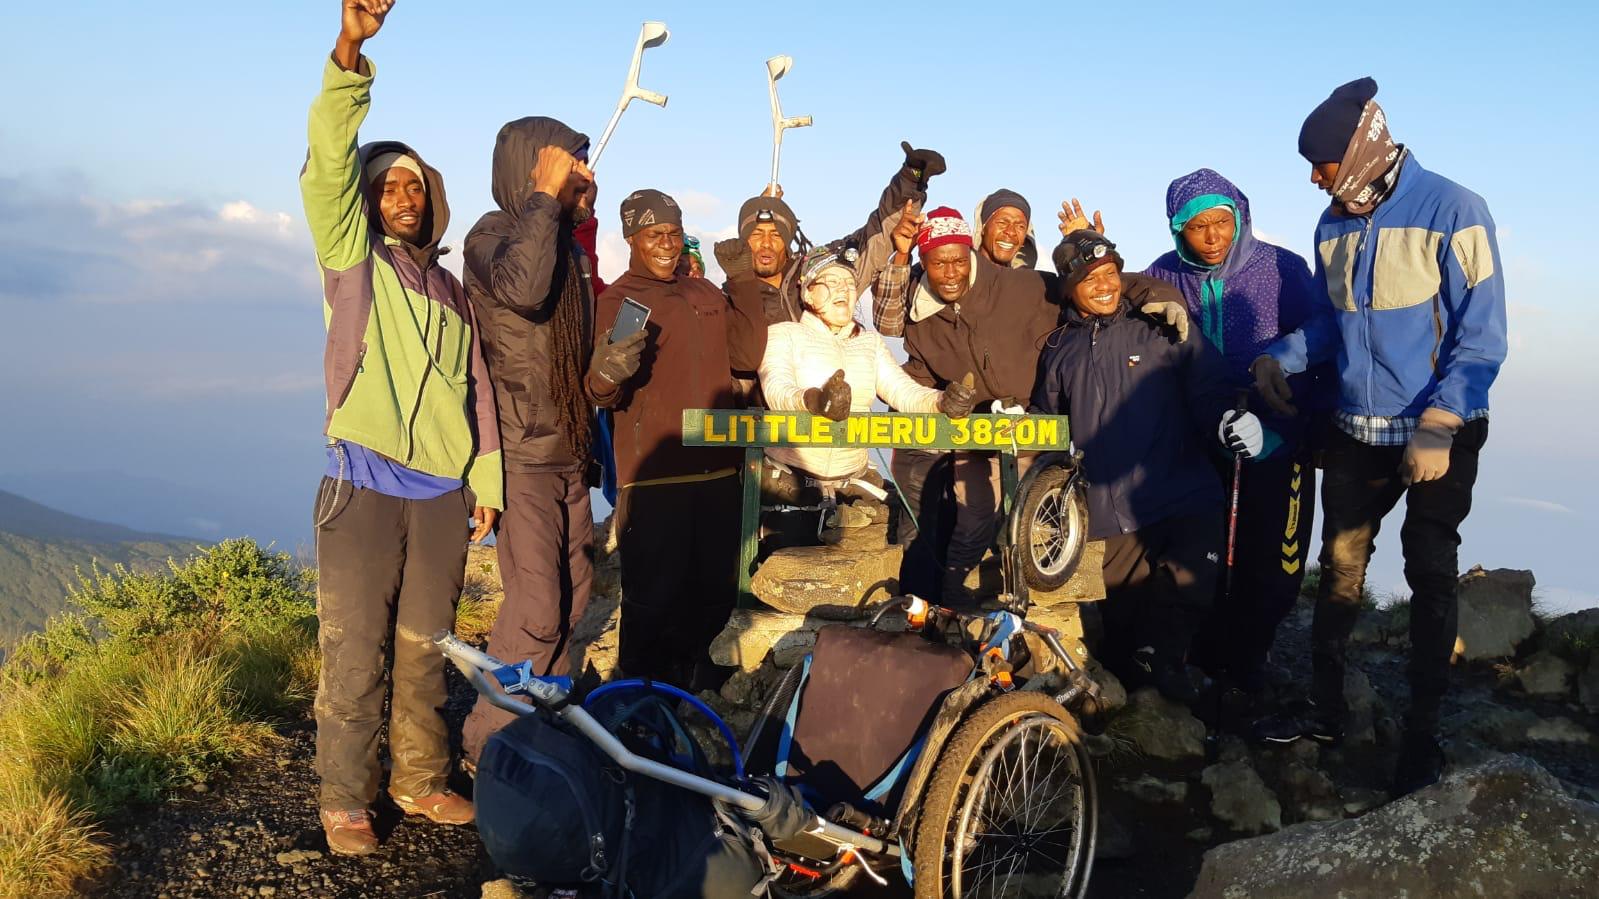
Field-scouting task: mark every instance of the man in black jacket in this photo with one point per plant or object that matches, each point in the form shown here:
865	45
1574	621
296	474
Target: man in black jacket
529	281
1145	410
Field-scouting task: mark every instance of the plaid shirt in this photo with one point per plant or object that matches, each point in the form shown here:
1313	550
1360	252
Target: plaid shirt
889	299
1376	430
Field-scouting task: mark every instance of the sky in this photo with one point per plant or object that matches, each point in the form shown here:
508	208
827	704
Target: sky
163	336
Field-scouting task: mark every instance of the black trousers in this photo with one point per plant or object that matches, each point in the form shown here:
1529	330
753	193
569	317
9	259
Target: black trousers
1159	583
679	545
1360	486
926	481
1276	512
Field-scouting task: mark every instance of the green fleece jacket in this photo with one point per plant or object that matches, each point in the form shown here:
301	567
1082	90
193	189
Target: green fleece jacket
404	370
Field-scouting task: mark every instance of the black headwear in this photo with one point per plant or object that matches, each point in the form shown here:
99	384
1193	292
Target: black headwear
1325	135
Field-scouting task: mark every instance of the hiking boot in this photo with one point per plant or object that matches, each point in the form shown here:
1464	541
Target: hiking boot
1421	763
443	807
1301	719
350	833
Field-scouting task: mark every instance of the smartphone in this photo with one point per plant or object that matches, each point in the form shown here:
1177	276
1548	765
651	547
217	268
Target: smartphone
630	319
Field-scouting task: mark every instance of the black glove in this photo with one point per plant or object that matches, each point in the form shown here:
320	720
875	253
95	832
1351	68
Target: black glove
832	399
958	397
923	164
734	256
616	362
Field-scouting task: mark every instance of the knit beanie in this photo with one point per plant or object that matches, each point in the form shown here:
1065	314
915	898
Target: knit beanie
1325	135
1082	251
766	209
382	162
943	226
998	200
647	207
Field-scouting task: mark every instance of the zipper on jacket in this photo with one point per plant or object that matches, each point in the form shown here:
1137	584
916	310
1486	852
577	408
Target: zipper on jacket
1365	313
421	386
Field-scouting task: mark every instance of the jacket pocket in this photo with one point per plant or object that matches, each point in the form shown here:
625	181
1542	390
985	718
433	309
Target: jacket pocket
1405	272
355	371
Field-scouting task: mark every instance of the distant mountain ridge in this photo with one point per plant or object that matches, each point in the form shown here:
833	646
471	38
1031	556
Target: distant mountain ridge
43	552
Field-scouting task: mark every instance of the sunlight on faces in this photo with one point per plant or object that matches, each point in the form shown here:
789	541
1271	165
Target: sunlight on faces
949	271
1004	234
1209	235
656	250
768	250
831	296
402	202
1100	290
1324	175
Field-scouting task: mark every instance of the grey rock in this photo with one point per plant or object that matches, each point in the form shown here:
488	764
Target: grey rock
1232	748
1559	730
297	856
1505	828
1565	633
1495	613
1360	725
1588	686
1160	728
1545	674
1494	724
1112	695
835	582
1359	800
751	634
1201	835
1155	791
1240	799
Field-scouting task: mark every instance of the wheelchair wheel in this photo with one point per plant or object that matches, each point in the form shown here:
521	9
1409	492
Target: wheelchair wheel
1011	809
1053	529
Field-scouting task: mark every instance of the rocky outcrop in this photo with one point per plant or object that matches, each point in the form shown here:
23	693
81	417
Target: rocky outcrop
835	581
1495	613
1545	674
1504	828
1159	728
1240	799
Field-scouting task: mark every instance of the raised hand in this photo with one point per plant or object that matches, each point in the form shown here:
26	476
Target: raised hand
904	234
1073	219
832	399
361	19
552	169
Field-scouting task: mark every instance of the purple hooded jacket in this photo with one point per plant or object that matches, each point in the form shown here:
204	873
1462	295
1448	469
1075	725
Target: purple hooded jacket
1259	293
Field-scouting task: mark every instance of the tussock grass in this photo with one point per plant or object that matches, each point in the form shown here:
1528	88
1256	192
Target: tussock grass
156	683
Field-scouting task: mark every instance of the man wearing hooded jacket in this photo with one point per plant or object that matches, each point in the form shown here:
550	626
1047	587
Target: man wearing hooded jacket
1415	318
411	439
1244	293
529	281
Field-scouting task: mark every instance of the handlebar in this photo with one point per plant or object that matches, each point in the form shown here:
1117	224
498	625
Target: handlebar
477	665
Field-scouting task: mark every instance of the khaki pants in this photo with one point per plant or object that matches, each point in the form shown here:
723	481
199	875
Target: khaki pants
390	574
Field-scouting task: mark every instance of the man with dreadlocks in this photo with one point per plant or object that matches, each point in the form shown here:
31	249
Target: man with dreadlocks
529	280
762	267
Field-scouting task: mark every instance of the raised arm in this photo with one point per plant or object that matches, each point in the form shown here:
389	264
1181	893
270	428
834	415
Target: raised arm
331	183
519	264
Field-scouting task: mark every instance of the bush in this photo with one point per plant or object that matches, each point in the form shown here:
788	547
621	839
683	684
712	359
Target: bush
158	681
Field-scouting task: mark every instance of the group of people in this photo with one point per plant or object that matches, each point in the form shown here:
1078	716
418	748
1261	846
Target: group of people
504	400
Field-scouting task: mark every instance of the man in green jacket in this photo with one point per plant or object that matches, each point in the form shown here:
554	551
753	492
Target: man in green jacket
413	453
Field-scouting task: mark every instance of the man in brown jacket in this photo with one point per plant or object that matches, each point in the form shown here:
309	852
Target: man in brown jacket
678	511
529	281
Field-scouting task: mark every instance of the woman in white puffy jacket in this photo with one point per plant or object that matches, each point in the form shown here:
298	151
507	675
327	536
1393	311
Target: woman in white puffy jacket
829	364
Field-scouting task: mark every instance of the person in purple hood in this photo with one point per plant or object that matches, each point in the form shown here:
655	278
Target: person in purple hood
1244	293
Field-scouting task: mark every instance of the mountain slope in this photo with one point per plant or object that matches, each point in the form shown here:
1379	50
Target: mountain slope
43	551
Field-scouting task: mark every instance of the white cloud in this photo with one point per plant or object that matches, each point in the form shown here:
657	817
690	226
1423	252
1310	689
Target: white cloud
1541	505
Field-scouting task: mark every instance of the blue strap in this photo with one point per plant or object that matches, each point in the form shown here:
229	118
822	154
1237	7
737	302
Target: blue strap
785	740
887	781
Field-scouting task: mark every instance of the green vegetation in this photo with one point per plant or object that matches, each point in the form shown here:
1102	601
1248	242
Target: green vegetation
155	680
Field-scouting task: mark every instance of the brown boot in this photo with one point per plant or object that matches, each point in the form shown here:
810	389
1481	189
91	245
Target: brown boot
350	833
443	807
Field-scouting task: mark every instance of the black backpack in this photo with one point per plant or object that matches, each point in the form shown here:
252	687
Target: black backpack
555	812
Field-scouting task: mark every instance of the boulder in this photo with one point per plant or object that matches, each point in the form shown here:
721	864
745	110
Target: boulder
751	634
836	582
1588	685
1495	613
1155	791
1159	728
1559	730
1505	828
1240	799
1572	632
1545	674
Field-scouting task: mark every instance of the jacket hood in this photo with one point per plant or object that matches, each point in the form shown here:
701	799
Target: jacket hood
1205	189
516	150
438	213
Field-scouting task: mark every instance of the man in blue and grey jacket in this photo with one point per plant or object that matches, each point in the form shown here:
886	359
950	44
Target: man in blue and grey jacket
1415	319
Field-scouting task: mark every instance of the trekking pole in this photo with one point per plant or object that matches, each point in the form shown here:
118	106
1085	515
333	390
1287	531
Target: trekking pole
776	68
1241	407
650	36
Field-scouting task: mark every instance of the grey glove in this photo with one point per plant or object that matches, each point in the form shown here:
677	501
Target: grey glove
1272	385
734	256
616	362
1175	315
958	397
831	399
